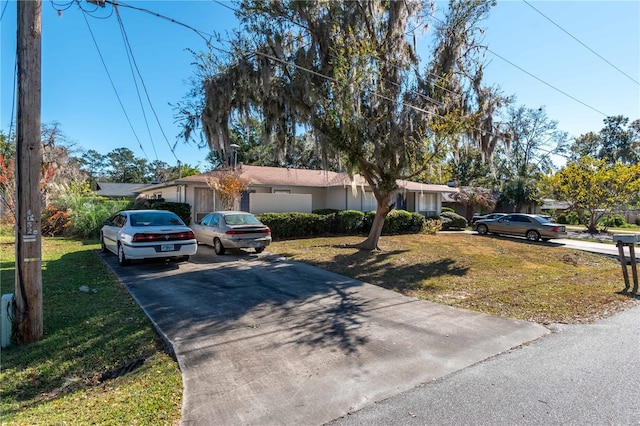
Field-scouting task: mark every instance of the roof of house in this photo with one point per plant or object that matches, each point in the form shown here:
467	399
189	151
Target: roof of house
111	189
282	176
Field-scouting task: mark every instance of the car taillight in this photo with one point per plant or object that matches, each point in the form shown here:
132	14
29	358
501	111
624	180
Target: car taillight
176	236
557	229
248	231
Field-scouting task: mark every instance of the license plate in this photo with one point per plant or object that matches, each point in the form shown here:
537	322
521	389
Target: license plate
166	247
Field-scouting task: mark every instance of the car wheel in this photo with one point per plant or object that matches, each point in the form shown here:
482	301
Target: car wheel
218	247
259	249
482	229
122	260
533	235
103	246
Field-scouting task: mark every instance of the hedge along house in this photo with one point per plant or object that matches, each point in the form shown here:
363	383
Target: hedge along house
279	190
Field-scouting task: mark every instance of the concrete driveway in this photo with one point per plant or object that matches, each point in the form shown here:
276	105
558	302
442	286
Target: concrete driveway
262	340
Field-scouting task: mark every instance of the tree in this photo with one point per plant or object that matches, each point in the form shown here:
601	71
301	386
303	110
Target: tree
532	141
125	167
472	198
58	170
95	164
342	70
596	186
229	185
619	143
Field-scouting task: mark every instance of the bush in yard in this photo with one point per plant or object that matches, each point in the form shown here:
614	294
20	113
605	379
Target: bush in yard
183	210
453	221
54	221
448	209
296	225
616	221
638	220
347	222
397	222
432	226
88	213
325	212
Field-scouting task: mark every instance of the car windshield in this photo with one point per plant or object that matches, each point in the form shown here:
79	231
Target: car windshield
155	219
241	219
542	219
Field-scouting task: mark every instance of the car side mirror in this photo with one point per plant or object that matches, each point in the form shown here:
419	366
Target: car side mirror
106	223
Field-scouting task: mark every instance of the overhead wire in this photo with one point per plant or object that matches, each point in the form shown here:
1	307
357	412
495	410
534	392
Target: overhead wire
583	44
104	64
144	86
4	9
131	57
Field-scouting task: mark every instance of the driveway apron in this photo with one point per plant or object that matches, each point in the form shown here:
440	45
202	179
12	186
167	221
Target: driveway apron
262	340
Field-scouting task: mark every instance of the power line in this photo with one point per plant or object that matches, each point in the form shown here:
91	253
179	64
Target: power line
130	57
544	82
587	47
144	86
113	85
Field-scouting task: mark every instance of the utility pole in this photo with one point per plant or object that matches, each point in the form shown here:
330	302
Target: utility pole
28	286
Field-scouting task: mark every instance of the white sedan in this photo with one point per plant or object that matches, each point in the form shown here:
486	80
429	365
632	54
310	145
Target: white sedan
147	234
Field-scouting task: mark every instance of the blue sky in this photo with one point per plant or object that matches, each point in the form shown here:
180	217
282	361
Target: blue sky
77	93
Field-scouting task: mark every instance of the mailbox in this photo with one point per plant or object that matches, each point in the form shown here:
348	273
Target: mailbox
625	238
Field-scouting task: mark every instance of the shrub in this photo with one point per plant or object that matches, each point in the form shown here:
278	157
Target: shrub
54	221
562	219
447	210
324	212
396	222
296	225
573	218
613	221
432	226
453	221
183	210
347	222
638	220
88	213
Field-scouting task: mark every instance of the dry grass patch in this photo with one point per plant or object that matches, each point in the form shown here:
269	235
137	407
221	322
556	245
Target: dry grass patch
506	277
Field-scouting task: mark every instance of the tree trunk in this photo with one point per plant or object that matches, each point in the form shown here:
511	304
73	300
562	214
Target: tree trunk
371	243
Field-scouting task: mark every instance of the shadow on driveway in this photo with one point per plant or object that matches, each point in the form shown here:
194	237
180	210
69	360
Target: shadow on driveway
264	340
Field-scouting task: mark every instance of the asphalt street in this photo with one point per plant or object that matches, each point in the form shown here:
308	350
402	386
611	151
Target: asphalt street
580	375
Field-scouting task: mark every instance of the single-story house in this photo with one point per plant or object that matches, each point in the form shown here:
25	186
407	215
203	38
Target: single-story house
117	190
279	189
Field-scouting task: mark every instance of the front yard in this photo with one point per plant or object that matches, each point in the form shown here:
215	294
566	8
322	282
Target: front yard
72	375
500	276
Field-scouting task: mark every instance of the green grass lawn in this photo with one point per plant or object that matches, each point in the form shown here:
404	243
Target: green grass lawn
74	373
500	276
71	376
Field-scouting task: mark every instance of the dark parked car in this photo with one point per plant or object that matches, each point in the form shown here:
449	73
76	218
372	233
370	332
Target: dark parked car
232	229
533	227
147	234
476	218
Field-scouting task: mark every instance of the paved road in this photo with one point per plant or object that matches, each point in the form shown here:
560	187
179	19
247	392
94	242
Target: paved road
581	375
261	340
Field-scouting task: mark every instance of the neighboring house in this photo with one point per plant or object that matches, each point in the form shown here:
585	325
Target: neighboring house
277	190
117	190
554	205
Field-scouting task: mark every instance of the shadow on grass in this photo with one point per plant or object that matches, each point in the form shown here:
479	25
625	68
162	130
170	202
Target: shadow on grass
384	270
86	334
